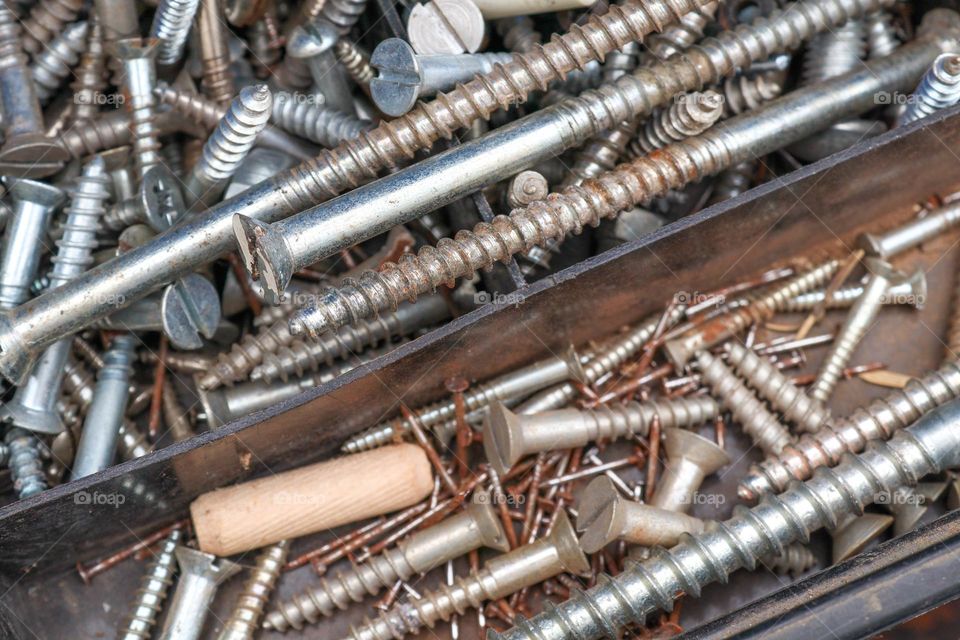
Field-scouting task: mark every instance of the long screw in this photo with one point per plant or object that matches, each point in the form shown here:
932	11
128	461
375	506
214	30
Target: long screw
681	35
929	446
787	398
912	291
508	437
878	421
911	234
156	583
33	206
217	80
157	263
244	621
171	26
457	535
747	92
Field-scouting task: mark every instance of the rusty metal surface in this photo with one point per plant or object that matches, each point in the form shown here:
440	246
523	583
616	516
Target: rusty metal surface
814	211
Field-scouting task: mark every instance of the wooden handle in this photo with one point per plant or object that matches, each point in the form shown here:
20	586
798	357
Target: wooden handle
310	499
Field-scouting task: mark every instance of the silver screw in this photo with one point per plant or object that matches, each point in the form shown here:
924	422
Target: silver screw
101	429
140	79
743	93
214	53
52	65
33	207
500	577
314	42
171	26
154	586
477	526
882	39
403	76
680	35
446	27
912	291
189	309
244	622
929	446
690	115
200	576
784	396
858	322
508	437
301	115
879	420
526	187
911	234
690	459
26	470
939	89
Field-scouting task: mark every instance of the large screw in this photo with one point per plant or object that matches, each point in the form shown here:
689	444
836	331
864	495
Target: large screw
510	385
939	89
244	622
299	114
140	78
858	322
52	65
47	19
171	26
154	586
404	76
787	398
200	576
446	27
690	115
146	268
477	526
929	446
762	426
33	207
229	144
101	429
500	577
508	437
690	459
911	234
877	421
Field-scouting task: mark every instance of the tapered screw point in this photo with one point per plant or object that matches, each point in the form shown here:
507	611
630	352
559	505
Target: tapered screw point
502	438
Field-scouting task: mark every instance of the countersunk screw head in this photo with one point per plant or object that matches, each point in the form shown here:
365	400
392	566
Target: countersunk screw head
32	155
160	198
446	27
564	539
400	79
265	255
483	515
503	438
189	308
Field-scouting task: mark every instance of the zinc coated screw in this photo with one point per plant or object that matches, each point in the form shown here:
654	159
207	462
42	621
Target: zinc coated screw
89	73
313	42
154	586
214	53
33	207
171	26
446	27
244	622
26	469
939	89
301	115
680	35
859	320
52	65
140	78
499	577
200	576
690	459
477	526
931	445
784	396
508	437
878	421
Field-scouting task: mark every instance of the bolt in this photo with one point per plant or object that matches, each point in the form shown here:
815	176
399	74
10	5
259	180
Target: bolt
938	89
912	291
299	114
690	459
244	622
171	26
446	27
189	309
784	396
228	145
911	234
604	515
860	319
98	440
354	61
403	76
500	577
200	576
929	446
140	78
688	116
853	533
313	42
513	384
33	207
526	187
154	586
477	526
878	421
52	65
508	437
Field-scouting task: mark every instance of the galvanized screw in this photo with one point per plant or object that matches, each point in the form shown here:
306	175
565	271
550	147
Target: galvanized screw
189	310
690	459
214	53
244	622
26	469
508	437
33	207
314	42
477	526
446	27
301	115
911	234
140	78
171	26
690	115
52	65
154	586
743	93
200	576
939	89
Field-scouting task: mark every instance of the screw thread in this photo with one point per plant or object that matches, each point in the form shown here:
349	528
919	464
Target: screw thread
171	26
52	65
842	298
518	34
758	423
323	125
107	132
217	79
26	468
79	240
46	20
11	49
246	354
265	45
621	62
623	421
355	585
689	116
882	39
680	35
835	53
745	93
233	138
601	153
342	14
359	160
939	89
751	534
154	586
787	398
141	105
191	105
878	421
355	61
90	81
301	358
795	559
244	622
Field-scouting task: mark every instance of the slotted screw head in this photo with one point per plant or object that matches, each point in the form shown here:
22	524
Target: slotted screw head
397	86
446	27
189	308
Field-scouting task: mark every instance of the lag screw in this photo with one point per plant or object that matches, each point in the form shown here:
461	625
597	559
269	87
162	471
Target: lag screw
244	621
